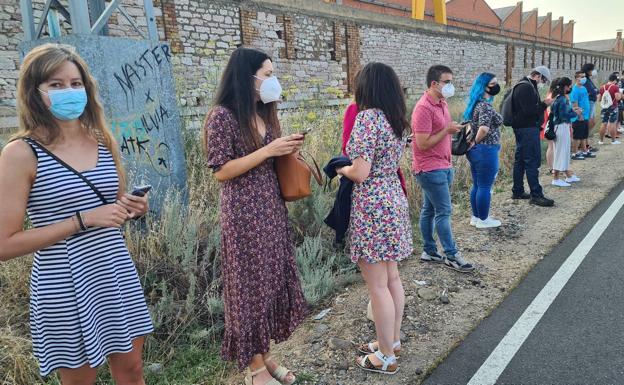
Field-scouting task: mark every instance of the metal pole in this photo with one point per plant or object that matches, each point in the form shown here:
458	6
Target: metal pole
54	28
43	19
96	8
418	9
152	31
104	16
79	11
28	21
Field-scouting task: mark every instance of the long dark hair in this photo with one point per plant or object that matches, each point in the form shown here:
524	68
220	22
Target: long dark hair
378	86
236	93
558	86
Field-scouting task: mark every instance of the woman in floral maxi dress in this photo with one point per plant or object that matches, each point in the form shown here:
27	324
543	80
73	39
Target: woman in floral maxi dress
261	290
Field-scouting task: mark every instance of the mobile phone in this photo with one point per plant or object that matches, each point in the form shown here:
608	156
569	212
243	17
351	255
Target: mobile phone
140	191
304	132
464	122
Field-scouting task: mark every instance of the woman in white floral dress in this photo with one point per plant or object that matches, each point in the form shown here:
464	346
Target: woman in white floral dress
380	229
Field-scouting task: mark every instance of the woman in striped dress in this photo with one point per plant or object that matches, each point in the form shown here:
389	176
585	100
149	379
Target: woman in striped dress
63	168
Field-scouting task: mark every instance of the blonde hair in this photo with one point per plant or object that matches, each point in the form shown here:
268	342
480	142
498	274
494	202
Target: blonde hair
35	119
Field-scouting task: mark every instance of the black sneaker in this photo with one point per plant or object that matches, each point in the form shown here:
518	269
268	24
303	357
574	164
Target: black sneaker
588	154
458	263
593	149
521	196
542	201
435	257
578	156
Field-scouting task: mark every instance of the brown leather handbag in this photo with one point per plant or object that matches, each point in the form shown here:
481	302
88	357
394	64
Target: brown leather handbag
294	176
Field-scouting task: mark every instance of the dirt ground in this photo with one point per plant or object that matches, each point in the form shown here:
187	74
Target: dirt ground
431	329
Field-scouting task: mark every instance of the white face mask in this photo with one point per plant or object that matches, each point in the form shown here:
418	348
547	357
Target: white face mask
448	90
594	72
270	90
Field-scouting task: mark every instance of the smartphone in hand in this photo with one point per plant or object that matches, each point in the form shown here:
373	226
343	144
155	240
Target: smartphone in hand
306	131
140	191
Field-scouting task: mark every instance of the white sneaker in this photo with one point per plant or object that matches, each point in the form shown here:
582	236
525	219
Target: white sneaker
560	183
572	179
600	142
474	220
487	223
620	129
616	142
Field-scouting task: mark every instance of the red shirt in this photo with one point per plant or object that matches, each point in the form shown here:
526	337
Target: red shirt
431	117
613	89
347	124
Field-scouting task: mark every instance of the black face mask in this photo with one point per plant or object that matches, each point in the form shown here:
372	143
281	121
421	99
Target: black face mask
568	91
494	90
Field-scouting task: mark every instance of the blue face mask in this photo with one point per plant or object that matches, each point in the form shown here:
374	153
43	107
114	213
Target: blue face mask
68	103
583	81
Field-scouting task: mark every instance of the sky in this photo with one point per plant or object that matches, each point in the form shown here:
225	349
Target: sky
594	20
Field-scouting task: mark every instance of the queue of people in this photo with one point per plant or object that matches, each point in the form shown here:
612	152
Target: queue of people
65	152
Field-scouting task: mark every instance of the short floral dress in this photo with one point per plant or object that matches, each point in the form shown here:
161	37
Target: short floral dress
262	293
380	228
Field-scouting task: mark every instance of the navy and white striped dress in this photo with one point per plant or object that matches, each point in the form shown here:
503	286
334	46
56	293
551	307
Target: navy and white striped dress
86	300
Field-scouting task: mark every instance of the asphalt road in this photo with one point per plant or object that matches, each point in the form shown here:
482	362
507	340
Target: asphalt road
577	337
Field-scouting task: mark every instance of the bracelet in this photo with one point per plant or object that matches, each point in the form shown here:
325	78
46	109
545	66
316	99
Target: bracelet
81	221
75	222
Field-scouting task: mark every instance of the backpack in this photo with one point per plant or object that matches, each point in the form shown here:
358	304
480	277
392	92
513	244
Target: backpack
606	101
550	133
460	142
507	104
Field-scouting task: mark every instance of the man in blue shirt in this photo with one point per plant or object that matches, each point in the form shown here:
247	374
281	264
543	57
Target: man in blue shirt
592	90
579	97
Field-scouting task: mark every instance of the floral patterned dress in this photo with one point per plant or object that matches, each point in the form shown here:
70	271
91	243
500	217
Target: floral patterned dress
380	228
261	290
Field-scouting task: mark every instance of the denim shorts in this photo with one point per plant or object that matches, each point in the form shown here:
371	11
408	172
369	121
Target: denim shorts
592	109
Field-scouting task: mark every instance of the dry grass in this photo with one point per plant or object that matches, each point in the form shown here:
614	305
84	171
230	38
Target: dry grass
177	256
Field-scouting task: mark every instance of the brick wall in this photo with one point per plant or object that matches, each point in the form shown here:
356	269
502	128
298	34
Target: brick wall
512	25
556	33
544	28
317	48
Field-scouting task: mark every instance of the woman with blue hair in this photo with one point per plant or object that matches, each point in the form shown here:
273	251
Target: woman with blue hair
483	156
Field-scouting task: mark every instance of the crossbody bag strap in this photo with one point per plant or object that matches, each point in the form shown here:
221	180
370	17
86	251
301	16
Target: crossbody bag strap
70	168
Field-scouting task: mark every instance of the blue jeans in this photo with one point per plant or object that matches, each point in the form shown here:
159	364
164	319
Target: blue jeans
483	160
592	109
436	187
527	160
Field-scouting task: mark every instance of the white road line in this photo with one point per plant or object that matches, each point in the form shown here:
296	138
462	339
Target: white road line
496	363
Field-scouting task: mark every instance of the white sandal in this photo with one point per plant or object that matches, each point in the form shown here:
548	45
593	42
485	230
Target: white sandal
370	348
388	365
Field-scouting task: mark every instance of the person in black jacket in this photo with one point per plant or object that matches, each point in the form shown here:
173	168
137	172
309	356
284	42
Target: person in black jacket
528	110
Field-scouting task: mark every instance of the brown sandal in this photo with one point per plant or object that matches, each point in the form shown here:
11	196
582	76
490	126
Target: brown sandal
388	365
281	372
369	348
250	375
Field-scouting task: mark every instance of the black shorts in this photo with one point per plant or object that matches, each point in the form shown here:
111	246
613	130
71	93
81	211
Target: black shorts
580	130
